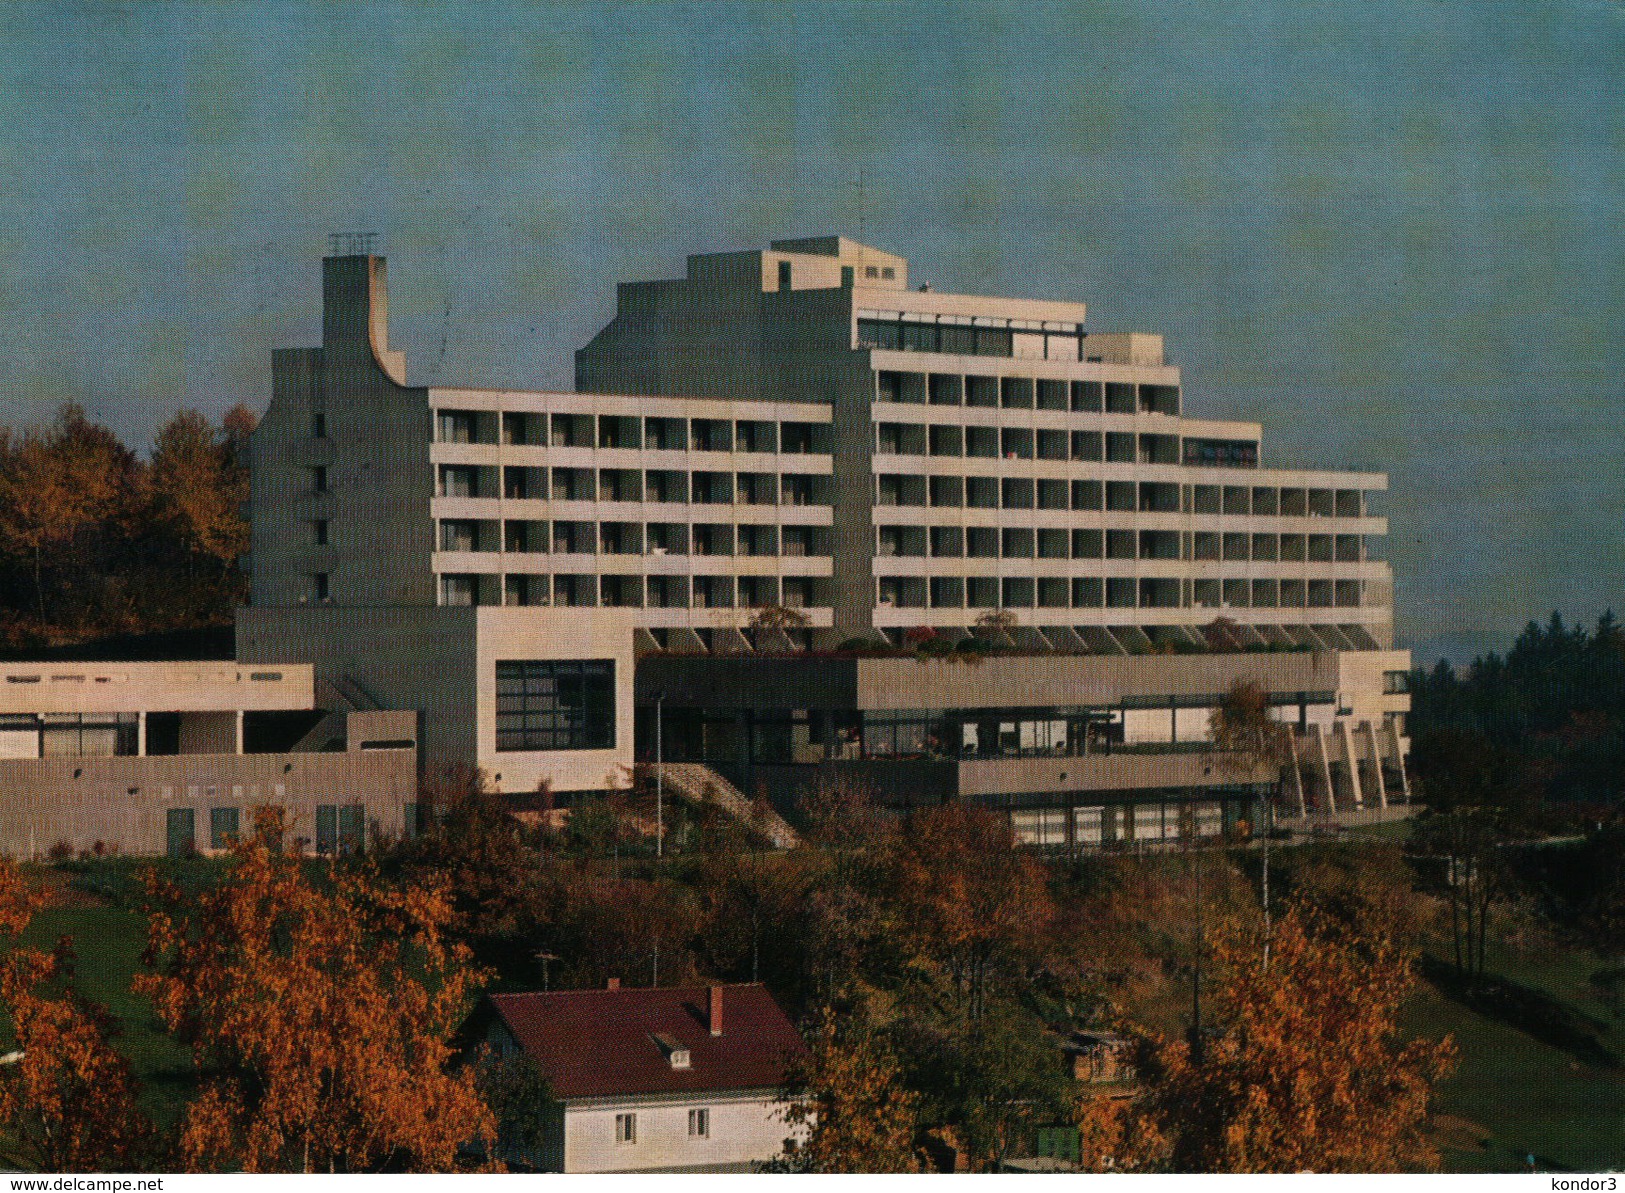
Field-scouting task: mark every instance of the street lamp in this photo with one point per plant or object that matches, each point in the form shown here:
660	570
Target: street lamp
660	777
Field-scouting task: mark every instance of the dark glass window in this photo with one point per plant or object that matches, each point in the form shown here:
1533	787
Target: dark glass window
340	828
223	827
556	705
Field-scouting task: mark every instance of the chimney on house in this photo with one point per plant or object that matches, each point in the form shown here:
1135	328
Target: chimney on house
613	984
715	1014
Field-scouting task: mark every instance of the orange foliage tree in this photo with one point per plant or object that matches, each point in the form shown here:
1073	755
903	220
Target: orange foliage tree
967	899
67	1099
849	1109
319	1015
1306	1072
198	484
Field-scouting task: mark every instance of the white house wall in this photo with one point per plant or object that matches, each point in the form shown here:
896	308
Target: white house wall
749	1129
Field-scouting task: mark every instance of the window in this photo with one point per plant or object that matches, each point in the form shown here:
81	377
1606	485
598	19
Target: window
1395	682
457	590
556	705
784	275
340	828
458	426
318	425
223	827
319	586
626	1125
456	480
318	532
318	478
699	1124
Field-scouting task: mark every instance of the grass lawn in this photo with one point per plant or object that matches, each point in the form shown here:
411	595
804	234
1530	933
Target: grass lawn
1530	1097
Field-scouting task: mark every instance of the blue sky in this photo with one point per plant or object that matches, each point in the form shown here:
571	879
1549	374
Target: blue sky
1390	231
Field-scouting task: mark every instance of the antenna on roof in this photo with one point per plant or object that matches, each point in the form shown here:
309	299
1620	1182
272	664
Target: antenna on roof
863	235
351	244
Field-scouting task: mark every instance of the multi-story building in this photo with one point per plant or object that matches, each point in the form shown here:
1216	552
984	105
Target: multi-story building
797	429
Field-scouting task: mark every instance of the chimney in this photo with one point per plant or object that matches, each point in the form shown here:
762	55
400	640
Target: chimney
715	1017
613	984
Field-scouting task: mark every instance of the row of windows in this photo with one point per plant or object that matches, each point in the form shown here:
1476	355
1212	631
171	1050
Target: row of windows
1020	542
965	335
631	431
517	536
699	1119
1112	592
632	484
1024	443
556	705
340	828
937	592
576	590
1161	497
1027	393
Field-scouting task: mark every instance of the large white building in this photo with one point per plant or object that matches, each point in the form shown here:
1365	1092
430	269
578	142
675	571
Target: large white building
798	429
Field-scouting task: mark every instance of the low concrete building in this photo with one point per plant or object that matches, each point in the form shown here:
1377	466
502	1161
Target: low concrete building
527	696
1079	750
153	758
652	1080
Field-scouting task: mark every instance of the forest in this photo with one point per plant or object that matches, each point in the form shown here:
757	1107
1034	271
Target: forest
99	543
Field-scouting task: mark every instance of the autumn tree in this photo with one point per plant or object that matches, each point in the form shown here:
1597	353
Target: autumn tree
1305	1070
198	485
67	1098
968	901
56	483
319	1016
849	1109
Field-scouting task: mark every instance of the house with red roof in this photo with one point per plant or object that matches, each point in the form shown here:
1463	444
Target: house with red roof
665	1079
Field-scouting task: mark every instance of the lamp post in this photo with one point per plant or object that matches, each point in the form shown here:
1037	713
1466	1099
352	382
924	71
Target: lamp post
660	777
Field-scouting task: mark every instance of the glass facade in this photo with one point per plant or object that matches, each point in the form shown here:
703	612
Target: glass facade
556	705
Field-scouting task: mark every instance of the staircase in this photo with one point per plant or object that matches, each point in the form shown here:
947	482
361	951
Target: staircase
699	784
346	692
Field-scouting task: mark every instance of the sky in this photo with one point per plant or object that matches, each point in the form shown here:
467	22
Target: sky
1390	231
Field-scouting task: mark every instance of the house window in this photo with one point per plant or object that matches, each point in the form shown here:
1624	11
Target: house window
699	1124
318	478
318	530
784	275
340	828
556	705
318	425
223	827
319	583
626	1128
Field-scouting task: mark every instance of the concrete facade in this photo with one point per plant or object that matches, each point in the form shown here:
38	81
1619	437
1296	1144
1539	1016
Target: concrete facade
148	758
781	428
785	451
442	662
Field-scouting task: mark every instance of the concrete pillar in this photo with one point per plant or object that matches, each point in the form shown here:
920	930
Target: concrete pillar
1346	744
1319	739
141	734
1375	755
237	732
1399	760
1296	773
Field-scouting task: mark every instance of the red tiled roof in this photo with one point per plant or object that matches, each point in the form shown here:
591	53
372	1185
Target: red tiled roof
598	1043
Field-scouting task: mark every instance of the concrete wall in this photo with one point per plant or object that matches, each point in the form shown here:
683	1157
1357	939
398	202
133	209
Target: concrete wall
375	450
123	803
442	663
745	1128
154	687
